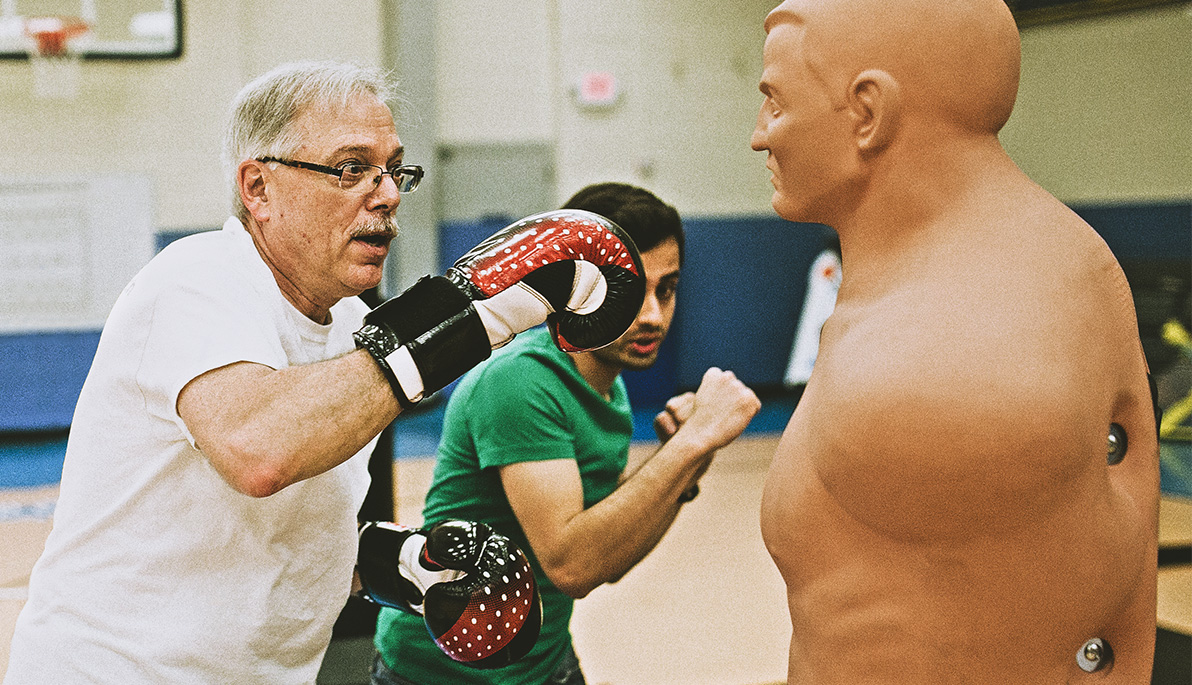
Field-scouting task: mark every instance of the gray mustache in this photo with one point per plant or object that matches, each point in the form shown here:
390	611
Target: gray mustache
386	227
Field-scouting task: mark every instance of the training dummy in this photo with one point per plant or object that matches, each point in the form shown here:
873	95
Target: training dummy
968	489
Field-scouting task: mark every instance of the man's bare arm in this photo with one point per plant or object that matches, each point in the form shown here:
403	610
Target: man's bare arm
264	429
580	549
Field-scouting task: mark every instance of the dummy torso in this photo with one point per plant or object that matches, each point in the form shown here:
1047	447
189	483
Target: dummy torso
942	506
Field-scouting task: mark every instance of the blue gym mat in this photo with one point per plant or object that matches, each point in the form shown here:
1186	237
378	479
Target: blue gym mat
31	461
35	460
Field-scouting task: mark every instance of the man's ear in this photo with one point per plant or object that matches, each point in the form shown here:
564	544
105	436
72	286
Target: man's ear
876	107
250	183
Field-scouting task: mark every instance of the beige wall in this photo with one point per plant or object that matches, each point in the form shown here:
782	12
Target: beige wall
690	72
687	73
1102	114
494	66
1105	107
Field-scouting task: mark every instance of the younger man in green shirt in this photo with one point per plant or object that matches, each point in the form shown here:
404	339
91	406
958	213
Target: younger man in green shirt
536	442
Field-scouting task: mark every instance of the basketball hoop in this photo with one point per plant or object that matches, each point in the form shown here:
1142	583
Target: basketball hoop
54	55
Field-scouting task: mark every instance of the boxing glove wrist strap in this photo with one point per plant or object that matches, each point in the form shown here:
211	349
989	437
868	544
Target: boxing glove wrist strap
390	562
392	358
424	338
377	566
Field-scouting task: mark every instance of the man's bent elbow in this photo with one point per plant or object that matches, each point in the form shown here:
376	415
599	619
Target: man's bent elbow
575	586
249	472
260	482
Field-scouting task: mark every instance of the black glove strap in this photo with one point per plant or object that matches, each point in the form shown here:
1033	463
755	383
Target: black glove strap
377	566
448	350
439	326
377	340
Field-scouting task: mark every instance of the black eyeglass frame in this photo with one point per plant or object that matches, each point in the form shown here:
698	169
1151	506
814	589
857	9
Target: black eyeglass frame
414	171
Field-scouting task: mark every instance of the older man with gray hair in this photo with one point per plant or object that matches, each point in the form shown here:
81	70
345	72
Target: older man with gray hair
206	528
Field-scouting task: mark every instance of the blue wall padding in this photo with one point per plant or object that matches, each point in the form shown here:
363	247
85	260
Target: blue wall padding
741	294
163	238
1143	231
457	237
41	377
655	385
42	373
739	301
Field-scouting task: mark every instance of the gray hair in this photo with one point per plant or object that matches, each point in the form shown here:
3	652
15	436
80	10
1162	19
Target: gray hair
263	113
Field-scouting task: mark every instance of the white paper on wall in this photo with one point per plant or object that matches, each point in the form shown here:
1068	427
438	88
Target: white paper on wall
68	247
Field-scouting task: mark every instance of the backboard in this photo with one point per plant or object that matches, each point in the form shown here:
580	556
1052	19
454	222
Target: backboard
120	29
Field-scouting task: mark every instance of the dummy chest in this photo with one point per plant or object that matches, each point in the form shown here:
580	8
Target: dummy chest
928	429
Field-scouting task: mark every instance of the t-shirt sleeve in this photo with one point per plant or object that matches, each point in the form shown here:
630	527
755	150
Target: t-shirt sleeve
518	414
195	329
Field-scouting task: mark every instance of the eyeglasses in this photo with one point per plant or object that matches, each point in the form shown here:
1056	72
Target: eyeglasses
361	178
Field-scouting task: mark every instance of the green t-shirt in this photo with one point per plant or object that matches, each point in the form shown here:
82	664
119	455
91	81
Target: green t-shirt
526	403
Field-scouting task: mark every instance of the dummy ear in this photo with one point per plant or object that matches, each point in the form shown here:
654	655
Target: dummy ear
250	183
873	99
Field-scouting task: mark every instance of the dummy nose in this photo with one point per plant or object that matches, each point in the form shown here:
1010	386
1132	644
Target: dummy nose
757	140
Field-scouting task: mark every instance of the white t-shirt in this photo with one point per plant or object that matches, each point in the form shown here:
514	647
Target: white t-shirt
157	571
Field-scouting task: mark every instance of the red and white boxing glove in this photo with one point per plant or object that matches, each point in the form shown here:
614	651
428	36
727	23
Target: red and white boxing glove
473	587
575	270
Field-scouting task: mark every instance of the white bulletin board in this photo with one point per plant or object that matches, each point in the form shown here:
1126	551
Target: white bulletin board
68	247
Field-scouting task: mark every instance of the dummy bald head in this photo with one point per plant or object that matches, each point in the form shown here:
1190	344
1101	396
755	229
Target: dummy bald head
954	60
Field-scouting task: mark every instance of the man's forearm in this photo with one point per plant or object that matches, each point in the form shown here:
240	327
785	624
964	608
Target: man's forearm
324	413
608	539
265	429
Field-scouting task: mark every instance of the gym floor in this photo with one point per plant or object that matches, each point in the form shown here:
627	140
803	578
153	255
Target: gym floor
706	607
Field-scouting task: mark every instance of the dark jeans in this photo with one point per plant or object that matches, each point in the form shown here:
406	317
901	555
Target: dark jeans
566	673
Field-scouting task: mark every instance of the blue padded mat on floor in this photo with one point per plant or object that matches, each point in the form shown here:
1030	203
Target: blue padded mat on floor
31	461
35	460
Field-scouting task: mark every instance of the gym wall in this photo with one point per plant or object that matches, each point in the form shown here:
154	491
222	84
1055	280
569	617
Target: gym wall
1101	122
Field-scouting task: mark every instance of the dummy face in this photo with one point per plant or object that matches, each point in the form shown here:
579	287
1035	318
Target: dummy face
638	348
807	138
322	242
